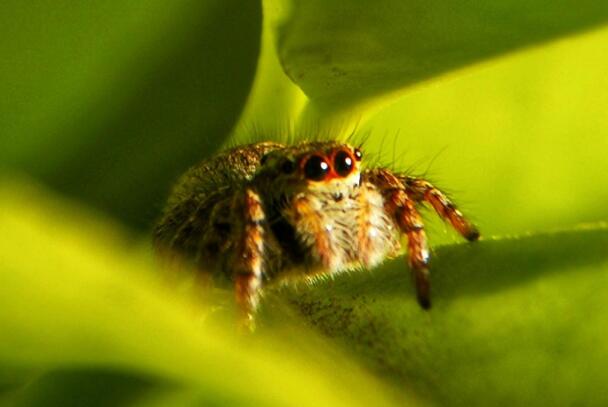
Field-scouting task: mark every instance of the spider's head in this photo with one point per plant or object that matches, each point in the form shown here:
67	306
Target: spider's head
327	168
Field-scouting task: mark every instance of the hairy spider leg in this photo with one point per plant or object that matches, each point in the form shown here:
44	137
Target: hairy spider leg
423	190
403	210
365	226
248	256
372	221
309	217
410	223
402	193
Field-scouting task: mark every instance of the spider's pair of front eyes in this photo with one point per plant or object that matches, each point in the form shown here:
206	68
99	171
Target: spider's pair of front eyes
317	167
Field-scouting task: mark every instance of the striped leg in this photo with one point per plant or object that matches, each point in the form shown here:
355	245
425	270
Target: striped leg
247	262
410	223
417	251
401	194
310	221
423	190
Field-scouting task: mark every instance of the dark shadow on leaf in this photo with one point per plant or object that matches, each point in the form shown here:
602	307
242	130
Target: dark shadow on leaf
89	387
493	265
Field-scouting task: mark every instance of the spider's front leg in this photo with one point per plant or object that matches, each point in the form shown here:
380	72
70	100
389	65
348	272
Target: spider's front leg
410	223
422	190
247	262
311	220
401	194
402	209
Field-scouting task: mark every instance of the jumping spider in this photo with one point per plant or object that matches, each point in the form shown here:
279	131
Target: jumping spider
270	212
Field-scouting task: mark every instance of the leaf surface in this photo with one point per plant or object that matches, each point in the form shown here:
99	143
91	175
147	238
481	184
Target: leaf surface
342	53
110	102
516	321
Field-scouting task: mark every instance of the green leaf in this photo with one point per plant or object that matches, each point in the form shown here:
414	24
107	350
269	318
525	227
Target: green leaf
275	101
91	387
342	53
515	321
109	102
86	319
520	143
100	99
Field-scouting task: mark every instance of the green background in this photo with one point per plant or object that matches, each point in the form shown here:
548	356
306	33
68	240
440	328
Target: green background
501	104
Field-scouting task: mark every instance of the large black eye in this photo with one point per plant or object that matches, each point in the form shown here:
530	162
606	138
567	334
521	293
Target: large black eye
316	168
343	163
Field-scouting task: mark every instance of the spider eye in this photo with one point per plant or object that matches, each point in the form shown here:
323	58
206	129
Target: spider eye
358	154
264	159
316	168
343	163
288	166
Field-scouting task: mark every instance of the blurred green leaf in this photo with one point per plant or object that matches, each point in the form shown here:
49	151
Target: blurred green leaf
275	101
90	387
82	315
111	101
342	53
515	322
520	143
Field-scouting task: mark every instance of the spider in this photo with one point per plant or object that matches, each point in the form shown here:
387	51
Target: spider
268	212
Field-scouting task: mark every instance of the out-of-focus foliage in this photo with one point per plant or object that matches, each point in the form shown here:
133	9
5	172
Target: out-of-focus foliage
83	318
108	103
342	53
520	142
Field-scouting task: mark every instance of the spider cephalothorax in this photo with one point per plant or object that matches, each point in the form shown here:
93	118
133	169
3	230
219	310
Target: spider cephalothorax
268	212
